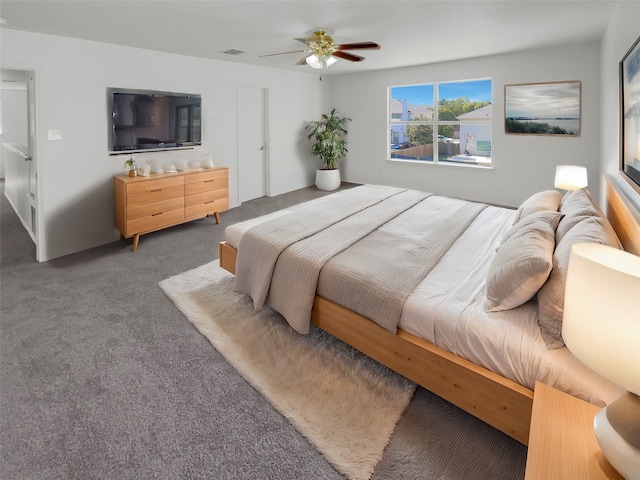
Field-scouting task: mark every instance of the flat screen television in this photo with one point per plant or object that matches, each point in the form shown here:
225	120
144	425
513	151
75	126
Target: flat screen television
147	119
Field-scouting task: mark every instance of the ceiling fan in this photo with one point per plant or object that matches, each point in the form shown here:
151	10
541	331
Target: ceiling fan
322	52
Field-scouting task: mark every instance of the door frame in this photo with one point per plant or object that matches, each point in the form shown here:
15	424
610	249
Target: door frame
34	148
265	127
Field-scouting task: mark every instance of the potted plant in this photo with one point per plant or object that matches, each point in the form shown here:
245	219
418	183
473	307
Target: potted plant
130	166
328	144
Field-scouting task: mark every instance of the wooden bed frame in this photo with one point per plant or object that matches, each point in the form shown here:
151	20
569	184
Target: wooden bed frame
488	396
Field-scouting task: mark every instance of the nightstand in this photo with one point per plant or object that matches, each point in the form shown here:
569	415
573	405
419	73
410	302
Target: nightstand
562	443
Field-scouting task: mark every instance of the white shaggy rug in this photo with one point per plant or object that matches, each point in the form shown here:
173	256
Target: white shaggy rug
344	403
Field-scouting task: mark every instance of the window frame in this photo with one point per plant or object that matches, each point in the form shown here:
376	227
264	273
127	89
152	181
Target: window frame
435	123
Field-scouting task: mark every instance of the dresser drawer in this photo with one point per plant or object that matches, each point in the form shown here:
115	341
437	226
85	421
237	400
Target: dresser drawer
206	196
155	221
206	185
208	208
149	209
144	185
206	175
155	195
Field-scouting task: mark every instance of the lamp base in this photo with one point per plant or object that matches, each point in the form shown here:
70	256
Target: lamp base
624	457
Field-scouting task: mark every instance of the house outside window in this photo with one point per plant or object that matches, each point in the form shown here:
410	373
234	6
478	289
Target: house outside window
462	121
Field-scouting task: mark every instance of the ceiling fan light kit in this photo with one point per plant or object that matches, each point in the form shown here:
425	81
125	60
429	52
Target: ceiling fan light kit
319	62
323	52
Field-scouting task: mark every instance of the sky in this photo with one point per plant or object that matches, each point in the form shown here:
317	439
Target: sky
475	90
543	100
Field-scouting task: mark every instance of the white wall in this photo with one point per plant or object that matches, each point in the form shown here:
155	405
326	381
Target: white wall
526	163
621	32
75	174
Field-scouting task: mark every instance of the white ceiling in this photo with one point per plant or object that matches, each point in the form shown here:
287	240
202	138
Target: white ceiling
410	32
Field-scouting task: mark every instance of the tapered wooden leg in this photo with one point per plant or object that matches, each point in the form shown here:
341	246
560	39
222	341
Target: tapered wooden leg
134	245
217	215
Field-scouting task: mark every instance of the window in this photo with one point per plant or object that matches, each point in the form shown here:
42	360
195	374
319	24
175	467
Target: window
188	122
462	121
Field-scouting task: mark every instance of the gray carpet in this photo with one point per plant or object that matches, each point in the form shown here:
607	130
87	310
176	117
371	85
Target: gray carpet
102	377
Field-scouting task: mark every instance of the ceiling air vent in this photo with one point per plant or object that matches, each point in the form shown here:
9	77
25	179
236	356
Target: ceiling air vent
233	51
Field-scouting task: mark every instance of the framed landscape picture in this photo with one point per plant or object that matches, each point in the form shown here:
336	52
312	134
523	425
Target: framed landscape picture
630	113
551	108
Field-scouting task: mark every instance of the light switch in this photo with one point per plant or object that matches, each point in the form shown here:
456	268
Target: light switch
55	134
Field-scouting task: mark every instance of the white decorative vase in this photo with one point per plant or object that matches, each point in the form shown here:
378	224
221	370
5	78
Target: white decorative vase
328	180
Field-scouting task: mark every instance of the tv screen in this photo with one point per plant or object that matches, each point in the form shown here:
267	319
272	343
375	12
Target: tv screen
145	119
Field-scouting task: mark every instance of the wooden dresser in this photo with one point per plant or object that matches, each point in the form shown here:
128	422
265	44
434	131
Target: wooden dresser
147	204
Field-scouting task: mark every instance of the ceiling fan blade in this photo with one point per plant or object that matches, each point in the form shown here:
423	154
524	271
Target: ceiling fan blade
358	46
347	56
282	53
303	60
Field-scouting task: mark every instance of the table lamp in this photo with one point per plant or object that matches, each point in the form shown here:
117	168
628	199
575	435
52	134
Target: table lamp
601	327
570	177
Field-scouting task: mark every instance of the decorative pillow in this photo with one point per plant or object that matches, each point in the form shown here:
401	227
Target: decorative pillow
577	206
551	295
547	200
552	218
522	264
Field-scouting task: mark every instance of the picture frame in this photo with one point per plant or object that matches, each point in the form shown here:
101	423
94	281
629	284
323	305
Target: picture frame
630	114
548	108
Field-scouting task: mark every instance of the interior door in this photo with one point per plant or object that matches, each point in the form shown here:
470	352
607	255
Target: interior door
252	145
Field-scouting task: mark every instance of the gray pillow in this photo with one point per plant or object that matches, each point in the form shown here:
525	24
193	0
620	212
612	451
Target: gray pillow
522	263
546	200
551	295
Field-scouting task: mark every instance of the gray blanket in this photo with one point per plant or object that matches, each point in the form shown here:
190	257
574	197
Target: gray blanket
375	276
279	262
261	245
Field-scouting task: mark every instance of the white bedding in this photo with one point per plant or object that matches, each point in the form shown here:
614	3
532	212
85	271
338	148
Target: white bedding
447	308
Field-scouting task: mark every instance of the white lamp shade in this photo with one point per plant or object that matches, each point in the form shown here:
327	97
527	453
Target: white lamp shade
329	60
601	323
570	177
320	61
313	61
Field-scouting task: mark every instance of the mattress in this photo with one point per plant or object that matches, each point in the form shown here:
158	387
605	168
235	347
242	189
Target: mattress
447	307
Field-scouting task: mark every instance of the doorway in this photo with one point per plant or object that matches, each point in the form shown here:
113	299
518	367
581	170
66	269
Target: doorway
18	130
252	143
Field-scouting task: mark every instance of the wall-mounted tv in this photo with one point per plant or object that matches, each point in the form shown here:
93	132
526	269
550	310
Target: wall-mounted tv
147	119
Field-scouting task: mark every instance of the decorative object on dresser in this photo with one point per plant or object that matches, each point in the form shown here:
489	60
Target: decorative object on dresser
151	203
601	328
130	166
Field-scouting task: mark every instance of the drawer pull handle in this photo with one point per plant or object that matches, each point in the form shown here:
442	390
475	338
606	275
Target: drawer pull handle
156	214
212	201
156	190
208	181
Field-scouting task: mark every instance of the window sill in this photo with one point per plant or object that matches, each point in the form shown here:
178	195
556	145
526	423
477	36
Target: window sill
444	164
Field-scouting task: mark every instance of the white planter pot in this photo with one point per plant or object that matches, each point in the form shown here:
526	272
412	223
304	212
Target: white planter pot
328	180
